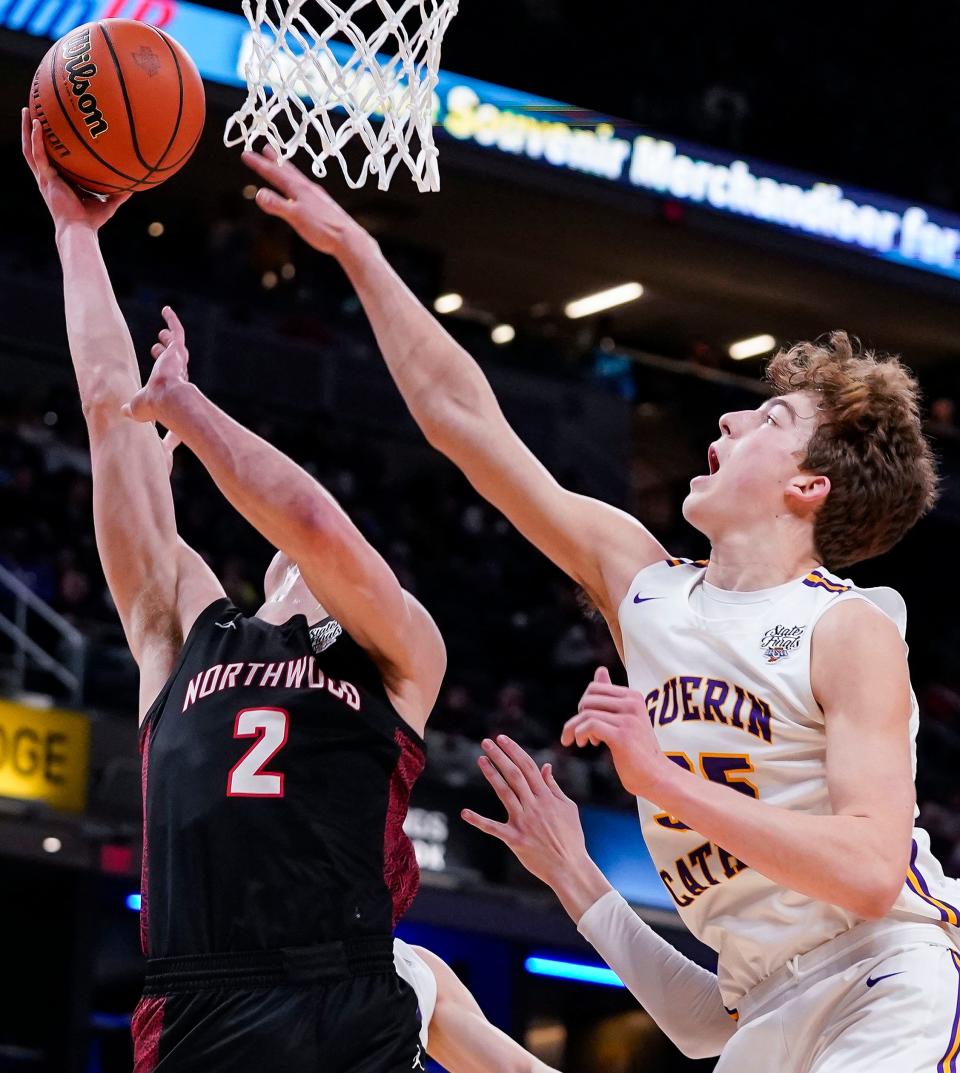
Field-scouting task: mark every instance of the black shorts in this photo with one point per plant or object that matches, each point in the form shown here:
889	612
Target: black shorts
334	1008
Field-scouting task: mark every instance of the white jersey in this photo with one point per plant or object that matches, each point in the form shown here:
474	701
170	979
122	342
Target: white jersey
418	974
730	699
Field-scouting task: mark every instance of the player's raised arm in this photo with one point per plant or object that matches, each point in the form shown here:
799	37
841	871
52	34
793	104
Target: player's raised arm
599	546
543	830
132	503
298	516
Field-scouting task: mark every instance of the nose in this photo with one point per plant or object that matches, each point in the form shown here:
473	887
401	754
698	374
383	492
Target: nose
726	424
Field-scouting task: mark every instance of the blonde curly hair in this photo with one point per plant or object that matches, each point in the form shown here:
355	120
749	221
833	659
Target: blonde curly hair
869	441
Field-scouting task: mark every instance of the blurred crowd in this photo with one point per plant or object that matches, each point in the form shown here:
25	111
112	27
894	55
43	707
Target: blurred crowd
522	641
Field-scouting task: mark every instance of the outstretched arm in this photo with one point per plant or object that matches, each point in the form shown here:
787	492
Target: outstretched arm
461	1038
132	503
543	831
298	516
600	547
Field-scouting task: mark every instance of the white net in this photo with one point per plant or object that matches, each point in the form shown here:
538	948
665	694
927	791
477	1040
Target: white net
370	73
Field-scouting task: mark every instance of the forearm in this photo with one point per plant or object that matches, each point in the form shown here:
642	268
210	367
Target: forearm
440	382
283	502
102	351
683	998
840	859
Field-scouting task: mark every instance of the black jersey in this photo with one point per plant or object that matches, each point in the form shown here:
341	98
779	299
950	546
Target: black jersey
276	776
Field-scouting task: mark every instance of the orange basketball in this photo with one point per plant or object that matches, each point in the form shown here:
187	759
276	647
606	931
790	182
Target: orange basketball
121	105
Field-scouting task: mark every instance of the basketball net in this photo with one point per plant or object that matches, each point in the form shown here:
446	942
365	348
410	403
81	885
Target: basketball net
318	89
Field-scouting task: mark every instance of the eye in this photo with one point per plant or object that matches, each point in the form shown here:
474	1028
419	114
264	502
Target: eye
768	420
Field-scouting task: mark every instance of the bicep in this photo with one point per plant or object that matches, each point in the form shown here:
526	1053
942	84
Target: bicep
135	528
597	545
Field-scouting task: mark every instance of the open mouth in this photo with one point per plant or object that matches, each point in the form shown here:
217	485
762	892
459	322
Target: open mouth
713	460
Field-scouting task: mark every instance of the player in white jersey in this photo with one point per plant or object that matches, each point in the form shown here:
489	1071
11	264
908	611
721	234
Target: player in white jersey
770	745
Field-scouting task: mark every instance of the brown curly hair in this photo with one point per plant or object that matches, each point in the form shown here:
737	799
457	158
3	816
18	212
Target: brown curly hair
869	441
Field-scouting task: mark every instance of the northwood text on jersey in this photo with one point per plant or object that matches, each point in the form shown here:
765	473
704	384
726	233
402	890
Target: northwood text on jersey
300	673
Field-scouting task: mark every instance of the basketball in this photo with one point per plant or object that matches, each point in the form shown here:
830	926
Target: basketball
121	105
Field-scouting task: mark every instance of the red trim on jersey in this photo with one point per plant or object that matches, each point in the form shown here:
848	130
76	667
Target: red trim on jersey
144	867
146	1027
401	873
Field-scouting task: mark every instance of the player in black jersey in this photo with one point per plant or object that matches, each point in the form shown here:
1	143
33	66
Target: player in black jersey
278	750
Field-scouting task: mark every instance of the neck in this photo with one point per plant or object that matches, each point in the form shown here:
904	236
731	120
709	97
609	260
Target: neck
743	562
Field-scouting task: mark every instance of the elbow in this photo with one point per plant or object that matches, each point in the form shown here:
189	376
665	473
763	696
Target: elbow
696	1049
874	899
103	396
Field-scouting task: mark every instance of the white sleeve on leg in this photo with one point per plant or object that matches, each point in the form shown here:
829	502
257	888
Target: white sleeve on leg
683	998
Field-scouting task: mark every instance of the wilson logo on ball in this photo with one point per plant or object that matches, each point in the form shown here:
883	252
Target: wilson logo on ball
80	72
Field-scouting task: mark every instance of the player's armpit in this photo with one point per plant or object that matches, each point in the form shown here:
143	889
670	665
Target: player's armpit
460	1037
197	586
860	678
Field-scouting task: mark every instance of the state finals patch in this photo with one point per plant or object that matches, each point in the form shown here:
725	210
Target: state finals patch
779	641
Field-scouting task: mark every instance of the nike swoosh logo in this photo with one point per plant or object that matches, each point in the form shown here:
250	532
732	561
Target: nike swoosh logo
871	980
638	599
226	625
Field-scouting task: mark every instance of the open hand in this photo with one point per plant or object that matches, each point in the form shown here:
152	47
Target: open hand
66	205
543	825
305	205
170	370
617	717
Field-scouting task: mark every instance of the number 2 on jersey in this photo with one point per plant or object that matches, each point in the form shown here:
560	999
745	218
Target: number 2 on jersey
247	777
717	767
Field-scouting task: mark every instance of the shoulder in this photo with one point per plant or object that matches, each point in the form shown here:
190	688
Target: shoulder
856	649
854	624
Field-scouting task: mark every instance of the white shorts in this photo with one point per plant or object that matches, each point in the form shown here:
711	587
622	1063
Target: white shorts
878	999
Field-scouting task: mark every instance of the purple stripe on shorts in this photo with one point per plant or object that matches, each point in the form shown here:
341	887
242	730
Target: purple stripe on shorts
948	1063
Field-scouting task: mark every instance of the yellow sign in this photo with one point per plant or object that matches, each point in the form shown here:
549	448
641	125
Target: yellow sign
43	755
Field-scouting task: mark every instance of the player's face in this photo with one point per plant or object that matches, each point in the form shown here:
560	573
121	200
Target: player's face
754	467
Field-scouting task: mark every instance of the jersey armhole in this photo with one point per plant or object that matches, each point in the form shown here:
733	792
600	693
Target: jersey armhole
211	611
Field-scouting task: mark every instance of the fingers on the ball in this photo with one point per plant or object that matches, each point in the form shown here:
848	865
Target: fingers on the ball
40	158
26	134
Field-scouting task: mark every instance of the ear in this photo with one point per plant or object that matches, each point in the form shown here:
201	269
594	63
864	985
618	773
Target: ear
807	491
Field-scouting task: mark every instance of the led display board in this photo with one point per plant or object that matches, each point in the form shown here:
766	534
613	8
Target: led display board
559	136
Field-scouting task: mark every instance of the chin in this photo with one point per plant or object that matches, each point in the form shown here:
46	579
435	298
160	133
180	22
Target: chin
696	511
